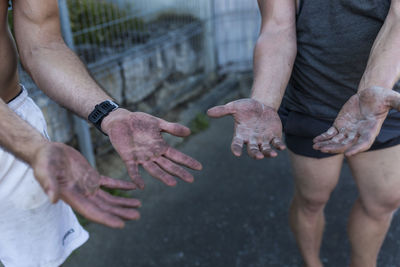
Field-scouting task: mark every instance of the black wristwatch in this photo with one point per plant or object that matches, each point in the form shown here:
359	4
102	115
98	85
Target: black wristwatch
100	112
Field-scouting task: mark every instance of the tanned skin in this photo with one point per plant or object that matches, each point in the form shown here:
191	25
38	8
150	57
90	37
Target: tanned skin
257	123
355	129
61	170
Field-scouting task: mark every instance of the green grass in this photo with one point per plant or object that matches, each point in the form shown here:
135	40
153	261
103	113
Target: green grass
199	123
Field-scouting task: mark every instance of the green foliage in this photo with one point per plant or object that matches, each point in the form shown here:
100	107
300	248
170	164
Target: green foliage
11	21
89	13
82	220
199	123
117	193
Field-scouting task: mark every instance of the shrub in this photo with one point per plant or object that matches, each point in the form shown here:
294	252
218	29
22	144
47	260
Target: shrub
110	22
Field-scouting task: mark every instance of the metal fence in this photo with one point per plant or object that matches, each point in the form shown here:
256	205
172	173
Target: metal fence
237	24
144	53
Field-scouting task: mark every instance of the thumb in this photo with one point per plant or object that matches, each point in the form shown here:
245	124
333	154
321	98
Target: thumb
52	190
220	111
50	186
394	99
174	128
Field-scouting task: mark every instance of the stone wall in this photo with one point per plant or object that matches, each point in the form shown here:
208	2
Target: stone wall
153	80
160	72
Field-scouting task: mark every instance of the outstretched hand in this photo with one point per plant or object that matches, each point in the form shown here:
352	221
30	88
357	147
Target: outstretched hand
137	138
65	174
358	122
256	125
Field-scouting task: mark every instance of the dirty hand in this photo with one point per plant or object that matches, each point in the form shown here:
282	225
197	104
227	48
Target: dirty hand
65	174
358	122
256	125
137	138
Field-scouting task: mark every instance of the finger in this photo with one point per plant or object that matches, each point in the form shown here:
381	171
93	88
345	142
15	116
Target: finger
116	183
338	138
253	150
158	173
335	148
326	145
364	143
219	111
267	150
119	201
174	169
323	144
351	138
52	190
121	212
337	145
327	135
278	144
91	211
183	159
174	128
237	146
394	99
133	172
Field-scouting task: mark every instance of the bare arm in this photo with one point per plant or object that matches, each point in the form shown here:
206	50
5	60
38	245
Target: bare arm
64	173
257	123
53	66
361	118
62	76
275	51
17	136
383	68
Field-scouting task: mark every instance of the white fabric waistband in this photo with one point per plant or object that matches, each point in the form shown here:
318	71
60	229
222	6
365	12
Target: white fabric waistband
19	100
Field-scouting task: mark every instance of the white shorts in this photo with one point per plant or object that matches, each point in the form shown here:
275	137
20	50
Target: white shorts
33	232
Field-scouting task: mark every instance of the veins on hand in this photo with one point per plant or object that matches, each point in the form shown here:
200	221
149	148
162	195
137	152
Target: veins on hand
357	124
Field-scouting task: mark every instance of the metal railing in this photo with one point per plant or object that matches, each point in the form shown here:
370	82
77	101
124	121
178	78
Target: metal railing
138	49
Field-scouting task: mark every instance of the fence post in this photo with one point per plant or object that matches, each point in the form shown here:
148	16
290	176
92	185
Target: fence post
209	38
81	127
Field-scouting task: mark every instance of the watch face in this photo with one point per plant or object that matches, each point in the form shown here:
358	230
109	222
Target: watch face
113	103
101	110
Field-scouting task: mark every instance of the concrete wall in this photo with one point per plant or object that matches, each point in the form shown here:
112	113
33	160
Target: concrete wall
231	36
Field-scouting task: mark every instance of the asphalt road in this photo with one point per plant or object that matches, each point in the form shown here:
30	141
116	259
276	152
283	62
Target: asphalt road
234	215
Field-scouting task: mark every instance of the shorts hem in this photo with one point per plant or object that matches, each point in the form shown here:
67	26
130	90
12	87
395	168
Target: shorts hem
73	245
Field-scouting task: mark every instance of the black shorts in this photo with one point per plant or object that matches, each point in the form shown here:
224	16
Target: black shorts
300	130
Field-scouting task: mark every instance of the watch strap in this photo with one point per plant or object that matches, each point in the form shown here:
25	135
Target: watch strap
100	112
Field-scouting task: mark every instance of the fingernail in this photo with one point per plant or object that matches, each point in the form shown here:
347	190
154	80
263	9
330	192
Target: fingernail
51	195
172	183
331	131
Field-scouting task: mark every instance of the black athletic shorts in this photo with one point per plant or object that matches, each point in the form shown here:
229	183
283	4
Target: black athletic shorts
300	130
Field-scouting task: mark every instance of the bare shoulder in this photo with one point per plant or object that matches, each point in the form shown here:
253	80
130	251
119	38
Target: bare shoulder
3	12
8	54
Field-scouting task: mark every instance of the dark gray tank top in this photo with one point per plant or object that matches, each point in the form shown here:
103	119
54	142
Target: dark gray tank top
334	39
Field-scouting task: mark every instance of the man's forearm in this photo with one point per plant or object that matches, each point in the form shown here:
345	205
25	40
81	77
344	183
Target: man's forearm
17	136
274	56
383	68
62	76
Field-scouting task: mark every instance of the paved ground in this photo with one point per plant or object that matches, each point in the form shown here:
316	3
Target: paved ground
234	215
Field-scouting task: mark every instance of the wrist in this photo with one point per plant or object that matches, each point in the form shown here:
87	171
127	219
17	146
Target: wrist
101	111
376	94
266	103
37	145
113	116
